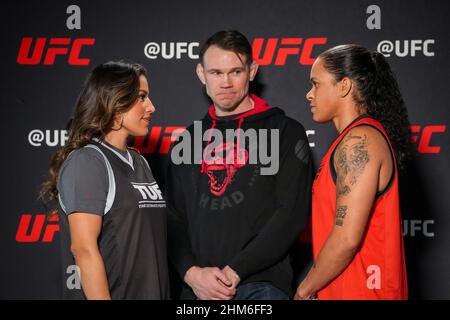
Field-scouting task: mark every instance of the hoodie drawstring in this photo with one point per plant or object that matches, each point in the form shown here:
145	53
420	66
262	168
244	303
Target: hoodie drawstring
241	120
203	170
239	133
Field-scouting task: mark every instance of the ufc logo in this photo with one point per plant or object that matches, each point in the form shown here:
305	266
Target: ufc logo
424	137
417	227
286	47
32	232
154	138
55	47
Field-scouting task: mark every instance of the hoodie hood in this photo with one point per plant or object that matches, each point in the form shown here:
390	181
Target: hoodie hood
261	109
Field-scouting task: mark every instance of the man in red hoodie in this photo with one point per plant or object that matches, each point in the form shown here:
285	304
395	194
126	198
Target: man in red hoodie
231	221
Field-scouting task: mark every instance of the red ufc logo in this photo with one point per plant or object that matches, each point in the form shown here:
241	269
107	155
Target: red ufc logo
154	138
424	137
56	46
32	232
286	47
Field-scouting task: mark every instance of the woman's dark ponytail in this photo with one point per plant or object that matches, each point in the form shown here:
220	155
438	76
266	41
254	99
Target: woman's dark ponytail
386	104
377	91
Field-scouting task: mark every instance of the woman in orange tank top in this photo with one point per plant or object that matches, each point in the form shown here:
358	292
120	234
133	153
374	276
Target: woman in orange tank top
356	220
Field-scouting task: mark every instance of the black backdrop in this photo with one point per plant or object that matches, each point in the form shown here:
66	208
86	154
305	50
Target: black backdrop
39	92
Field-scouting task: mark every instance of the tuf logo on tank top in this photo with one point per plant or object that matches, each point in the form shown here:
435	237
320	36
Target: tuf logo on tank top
150	194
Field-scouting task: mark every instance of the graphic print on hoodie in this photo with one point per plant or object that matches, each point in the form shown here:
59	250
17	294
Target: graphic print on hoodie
221	169
227	213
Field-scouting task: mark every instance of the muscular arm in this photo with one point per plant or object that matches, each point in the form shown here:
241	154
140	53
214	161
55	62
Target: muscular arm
84	231
357	161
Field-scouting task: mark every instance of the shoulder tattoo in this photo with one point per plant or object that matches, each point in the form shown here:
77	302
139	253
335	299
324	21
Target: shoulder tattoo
350	161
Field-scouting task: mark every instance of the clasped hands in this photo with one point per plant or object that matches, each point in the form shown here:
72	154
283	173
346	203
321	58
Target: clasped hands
212	283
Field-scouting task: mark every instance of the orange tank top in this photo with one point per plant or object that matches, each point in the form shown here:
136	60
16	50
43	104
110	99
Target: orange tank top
378	270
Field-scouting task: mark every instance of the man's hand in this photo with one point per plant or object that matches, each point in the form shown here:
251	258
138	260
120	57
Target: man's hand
232	276
209	283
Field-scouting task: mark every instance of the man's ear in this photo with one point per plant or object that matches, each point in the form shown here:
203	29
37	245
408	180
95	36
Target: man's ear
345	87
253	70
201	73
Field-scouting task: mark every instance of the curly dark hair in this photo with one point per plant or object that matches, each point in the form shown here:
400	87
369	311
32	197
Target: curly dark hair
377	92
110	89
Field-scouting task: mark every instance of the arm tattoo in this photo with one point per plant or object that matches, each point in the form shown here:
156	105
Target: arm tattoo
341	212
352	157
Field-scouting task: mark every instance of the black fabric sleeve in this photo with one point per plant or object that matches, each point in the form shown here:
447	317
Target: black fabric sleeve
293	190
179	243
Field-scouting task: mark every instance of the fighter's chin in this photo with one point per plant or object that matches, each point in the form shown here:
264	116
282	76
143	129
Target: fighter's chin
227	106
141	132
316	115
226	102
317	118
